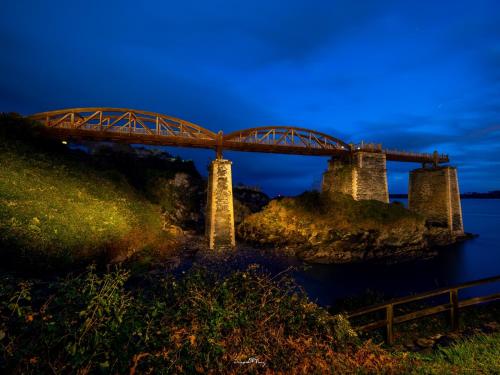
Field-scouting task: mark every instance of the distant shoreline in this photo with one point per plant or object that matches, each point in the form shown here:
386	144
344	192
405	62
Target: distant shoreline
489	195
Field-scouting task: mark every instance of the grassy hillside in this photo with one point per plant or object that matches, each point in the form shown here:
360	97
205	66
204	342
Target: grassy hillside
57	208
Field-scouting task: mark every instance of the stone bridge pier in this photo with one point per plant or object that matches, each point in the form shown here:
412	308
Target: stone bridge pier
219	218
363	175
434	193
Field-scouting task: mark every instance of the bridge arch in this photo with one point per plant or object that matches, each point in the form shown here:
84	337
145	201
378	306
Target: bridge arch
122	121
287	137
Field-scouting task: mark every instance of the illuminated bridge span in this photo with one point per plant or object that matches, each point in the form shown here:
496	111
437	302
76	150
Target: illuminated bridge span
357	170
132	126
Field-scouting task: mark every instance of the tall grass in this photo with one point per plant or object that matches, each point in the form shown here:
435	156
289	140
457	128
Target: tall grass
479	354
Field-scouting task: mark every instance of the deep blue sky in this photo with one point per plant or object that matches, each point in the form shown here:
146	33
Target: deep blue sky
419	75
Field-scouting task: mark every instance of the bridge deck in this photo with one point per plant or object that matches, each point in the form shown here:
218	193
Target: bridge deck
140	127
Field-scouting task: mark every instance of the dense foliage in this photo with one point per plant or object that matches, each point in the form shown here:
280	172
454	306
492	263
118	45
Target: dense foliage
158	323
245	321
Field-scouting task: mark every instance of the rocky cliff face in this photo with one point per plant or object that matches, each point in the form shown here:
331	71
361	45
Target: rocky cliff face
337	229
170	182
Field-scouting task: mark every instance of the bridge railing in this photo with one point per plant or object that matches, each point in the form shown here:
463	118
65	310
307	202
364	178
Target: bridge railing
453	306
370	147
413	154
400	154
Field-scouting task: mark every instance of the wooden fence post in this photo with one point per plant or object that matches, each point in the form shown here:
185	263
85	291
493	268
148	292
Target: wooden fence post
454	309
389	316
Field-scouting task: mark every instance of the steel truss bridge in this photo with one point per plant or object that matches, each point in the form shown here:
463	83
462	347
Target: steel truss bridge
141	127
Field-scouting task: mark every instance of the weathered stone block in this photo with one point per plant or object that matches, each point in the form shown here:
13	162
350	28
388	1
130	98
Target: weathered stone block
364	176
434	193
219	227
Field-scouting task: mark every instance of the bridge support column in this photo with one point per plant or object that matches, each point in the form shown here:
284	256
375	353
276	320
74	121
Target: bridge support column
363	176
433	192
219	227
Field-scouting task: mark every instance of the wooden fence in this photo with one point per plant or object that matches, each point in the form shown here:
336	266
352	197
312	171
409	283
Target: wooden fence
453	306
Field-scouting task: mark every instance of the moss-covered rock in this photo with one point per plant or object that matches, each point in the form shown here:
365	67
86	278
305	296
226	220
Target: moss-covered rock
335	228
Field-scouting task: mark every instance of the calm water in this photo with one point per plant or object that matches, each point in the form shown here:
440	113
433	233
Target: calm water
471	260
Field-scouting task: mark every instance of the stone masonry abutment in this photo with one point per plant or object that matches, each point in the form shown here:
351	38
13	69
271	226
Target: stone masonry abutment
434	193
219	226
363	176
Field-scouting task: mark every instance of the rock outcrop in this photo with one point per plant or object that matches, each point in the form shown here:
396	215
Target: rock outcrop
337	229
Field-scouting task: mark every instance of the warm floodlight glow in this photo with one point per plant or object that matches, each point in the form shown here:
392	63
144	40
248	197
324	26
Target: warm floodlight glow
64	142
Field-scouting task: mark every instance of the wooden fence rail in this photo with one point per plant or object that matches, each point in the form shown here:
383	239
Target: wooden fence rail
454	305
